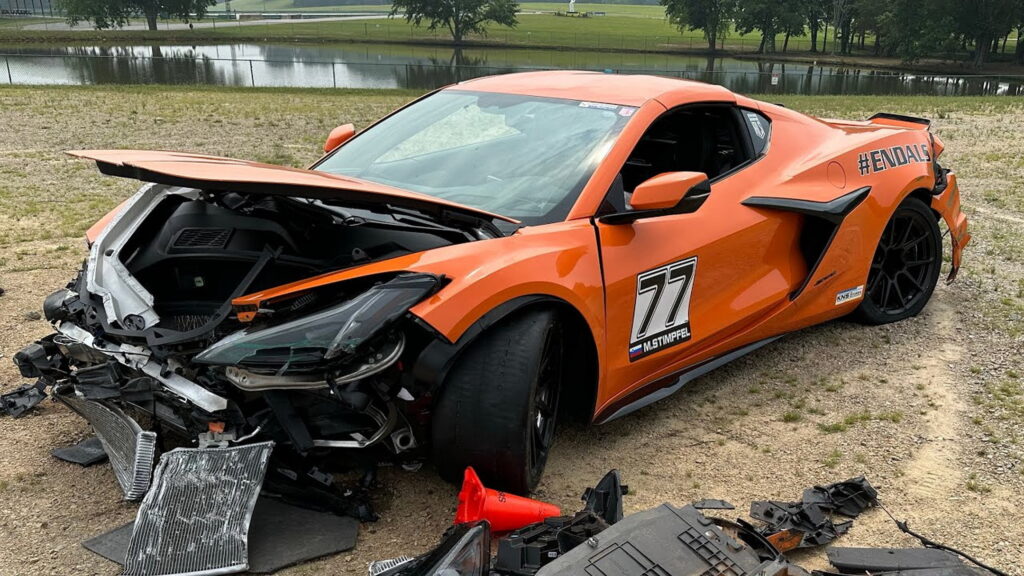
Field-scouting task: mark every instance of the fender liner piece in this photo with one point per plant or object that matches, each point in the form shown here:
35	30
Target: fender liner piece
820	228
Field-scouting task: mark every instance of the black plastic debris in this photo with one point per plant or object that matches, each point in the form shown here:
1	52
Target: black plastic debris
22	399
922	561
112	545
280	535
524	551
195	519
86	453
669	541
809	523
605	499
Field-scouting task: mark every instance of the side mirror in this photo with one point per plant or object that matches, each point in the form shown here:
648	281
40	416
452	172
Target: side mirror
664	194
339	136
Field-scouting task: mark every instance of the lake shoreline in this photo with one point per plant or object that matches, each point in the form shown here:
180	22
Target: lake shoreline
203	37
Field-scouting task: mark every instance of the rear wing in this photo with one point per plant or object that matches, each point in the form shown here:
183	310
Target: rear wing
900	121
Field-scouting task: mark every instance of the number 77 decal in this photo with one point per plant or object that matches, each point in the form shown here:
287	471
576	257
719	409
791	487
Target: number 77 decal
661	313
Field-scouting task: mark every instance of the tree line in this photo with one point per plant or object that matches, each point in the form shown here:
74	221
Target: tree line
904	29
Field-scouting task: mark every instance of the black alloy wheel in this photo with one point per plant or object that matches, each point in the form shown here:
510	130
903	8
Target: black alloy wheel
905	267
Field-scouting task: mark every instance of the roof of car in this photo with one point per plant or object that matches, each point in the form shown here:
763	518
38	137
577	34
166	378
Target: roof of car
621	89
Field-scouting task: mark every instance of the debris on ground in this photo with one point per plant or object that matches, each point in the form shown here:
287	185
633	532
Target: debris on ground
86	453
882	561
678	541
16	403
808	523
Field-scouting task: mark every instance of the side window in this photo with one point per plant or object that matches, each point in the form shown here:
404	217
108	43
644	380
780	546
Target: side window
706	139
760	129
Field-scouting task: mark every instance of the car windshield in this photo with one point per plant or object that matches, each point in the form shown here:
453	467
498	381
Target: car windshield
519	156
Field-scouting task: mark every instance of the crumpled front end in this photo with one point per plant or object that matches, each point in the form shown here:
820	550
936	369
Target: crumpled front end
150	350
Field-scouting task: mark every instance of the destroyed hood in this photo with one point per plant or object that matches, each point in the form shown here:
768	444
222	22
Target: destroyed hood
229	174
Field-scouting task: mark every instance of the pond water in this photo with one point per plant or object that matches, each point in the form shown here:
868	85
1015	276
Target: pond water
425	67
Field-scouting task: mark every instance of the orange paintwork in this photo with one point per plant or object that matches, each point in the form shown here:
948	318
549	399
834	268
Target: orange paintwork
748	259
664	190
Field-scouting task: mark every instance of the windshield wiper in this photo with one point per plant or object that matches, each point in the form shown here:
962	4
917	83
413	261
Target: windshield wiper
396	221
481	228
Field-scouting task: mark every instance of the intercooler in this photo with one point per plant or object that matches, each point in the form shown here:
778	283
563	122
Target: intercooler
196	518
130	448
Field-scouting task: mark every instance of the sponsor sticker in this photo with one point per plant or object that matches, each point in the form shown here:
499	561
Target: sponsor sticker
851	294
756	125
885	158
661	312
599	105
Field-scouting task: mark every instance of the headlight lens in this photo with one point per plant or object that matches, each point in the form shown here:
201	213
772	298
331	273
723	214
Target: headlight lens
471	556
465	551
325	335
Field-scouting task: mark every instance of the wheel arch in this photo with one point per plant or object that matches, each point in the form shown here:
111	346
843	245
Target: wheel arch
925	196
438	357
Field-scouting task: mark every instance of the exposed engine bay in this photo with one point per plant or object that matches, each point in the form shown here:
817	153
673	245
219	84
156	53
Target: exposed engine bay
148	326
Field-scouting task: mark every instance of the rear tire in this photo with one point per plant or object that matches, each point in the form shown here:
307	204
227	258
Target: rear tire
497	409
905	267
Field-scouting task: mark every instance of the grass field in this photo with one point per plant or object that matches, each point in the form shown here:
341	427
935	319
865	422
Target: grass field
650	11
627	30
931	409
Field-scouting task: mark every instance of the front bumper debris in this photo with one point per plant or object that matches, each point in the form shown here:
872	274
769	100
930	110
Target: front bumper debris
16	403
809	523
130	448
195	521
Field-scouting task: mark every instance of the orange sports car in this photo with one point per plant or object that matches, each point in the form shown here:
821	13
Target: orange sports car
446	283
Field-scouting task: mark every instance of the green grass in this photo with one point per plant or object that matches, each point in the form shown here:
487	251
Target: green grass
14	23
646	11
289	6
860	418
619	31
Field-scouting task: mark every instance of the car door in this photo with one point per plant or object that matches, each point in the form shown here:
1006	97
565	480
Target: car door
683	288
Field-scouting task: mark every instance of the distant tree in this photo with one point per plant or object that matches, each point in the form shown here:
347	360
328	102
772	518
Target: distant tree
1019	53
762	16
791	19
816	12
911	30
985	21
711	16
459	17
116	13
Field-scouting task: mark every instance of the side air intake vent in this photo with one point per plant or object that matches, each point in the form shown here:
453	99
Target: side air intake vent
202	238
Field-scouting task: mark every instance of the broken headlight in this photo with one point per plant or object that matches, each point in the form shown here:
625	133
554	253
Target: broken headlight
465	551
330	334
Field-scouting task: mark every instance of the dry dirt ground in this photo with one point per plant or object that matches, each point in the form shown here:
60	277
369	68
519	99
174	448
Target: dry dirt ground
929	409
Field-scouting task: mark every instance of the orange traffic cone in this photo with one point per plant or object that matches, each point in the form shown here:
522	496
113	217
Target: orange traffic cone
504	512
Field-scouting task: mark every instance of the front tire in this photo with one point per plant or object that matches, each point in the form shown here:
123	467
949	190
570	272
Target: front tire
497	409
905	267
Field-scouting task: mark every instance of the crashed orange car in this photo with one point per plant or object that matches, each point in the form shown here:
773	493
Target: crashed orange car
446	284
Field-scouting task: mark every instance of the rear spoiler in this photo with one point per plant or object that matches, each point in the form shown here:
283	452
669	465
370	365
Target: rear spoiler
900	121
